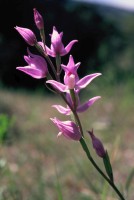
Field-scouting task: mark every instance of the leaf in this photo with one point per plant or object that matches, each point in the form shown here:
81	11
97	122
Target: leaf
108	166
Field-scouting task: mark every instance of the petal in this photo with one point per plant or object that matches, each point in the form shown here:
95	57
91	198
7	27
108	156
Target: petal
36	62
71	62
55	37
27	59
35	73
68	48
59	86
62	110
59	134
71	66
61	35
50	52
82	83
77	65
86	105
41	44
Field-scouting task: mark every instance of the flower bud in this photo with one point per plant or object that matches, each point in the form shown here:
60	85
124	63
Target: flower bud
27	35
97	145
38	19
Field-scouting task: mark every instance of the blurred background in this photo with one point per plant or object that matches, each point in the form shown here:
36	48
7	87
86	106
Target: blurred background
105	31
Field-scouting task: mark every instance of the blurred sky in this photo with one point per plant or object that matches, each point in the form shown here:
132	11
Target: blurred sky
122	4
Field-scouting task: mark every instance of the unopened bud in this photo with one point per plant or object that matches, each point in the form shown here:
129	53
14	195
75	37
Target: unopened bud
38	19
97	145
27	35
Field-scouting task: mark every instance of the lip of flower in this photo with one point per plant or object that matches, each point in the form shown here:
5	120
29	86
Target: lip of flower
57	47
27	35
67	128
80	84
71	82
37	66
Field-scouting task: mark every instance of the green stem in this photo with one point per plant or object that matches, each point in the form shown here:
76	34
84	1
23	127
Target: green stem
72	93
42	34
74	113
52	66
58	64
85	148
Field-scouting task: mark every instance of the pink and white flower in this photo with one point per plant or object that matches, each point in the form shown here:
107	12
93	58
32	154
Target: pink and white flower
71	78
57	47
80	84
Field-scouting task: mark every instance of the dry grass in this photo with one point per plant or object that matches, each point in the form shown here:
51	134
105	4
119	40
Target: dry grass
34	158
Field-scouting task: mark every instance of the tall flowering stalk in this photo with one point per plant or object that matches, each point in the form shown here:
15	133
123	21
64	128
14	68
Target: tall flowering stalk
38	66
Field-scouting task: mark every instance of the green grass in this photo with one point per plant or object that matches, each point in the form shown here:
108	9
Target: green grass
36	165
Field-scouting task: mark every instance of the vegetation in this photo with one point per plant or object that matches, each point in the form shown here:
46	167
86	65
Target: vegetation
37	165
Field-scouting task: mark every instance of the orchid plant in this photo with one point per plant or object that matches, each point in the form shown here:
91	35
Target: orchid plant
41	66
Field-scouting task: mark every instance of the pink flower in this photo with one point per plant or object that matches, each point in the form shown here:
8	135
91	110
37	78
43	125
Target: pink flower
27	35
97	145
67	128
80	84
80	107
71	79
37	66
57	47
38	19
